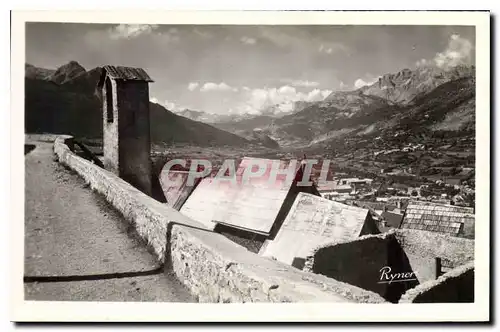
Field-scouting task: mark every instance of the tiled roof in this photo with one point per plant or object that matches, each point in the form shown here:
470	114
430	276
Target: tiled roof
313	221
124	73
127	73
437	217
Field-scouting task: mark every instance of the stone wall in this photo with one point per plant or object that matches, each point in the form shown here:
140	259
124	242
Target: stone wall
455	286
134	134
214	268
110	128
423	247
360	263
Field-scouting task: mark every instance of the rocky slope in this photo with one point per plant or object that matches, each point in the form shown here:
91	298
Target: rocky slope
422	100
67	72
447	112
37	73
402	87
425	101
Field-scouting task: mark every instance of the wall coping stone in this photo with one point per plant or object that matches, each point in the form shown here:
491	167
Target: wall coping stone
413	293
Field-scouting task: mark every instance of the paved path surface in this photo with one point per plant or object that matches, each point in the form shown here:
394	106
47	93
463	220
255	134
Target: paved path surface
71	231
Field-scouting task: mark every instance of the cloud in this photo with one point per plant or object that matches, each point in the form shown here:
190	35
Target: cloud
318	95
458	52
217	87
174	107
127	31
327	50
423	63
284	97
331	48
203	34
301	83
360	83
248	40
169	105
367	80
343	86
192	86
279	38
298	38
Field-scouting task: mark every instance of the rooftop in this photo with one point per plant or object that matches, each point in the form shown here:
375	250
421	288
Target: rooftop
123	73
252	205
312	221
392	220
440	218
175	187
333	186
376	205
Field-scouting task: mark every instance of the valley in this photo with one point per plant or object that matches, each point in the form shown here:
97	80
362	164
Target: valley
409	129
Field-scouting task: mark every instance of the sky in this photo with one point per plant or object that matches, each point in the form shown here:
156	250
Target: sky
244	69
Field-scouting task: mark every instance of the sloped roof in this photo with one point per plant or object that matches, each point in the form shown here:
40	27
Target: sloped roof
124	73
392	219
252	205
311	222
434	217
376	205
333	186
175	187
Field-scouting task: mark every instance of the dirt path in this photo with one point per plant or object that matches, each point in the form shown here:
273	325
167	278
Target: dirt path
71	231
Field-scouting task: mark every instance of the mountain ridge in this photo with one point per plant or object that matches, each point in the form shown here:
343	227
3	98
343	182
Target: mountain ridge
395	102
403	86
365	110
64	101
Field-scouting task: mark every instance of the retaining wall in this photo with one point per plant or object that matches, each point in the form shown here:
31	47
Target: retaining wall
454	286
422	247
359	262
214	268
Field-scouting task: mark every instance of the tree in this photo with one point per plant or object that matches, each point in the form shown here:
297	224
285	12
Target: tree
425	192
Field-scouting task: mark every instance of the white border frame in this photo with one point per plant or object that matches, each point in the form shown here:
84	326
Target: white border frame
340	312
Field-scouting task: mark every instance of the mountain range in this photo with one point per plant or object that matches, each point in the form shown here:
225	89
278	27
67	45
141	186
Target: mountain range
424	101
64	101
273	111
211	117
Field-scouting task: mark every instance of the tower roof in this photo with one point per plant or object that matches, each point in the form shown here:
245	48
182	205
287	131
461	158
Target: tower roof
123	73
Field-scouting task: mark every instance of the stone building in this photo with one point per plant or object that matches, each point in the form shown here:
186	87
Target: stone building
313	221
126	132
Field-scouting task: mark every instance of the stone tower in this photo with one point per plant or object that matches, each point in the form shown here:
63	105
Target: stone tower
125	109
